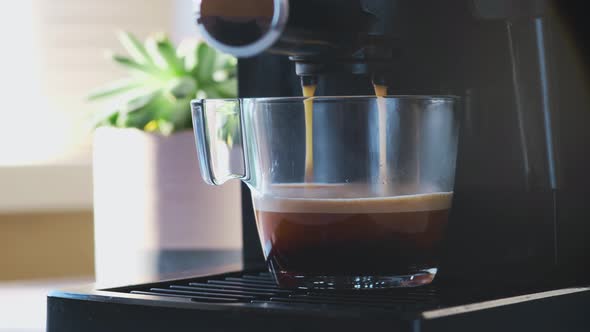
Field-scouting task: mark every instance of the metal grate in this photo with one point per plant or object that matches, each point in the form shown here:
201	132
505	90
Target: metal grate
260	288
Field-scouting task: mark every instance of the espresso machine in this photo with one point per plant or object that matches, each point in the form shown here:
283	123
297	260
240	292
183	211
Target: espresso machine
516	255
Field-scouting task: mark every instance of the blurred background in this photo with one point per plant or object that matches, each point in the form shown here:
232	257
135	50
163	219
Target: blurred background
53	55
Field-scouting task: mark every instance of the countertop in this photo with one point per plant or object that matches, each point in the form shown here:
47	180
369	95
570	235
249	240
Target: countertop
23	303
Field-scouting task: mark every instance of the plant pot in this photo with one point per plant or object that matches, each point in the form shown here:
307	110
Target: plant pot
152	209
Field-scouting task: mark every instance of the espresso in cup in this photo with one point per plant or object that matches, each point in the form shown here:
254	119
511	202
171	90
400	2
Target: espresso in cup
351	237
375	221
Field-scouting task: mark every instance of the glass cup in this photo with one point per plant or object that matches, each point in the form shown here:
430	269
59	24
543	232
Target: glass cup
355	195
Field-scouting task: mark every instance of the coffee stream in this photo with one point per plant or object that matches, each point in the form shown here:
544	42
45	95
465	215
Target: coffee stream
308	91
380	92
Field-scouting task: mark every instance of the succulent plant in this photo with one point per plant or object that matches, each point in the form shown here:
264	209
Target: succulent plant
162	81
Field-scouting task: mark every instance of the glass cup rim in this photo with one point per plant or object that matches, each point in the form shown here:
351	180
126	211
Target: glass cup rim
440	98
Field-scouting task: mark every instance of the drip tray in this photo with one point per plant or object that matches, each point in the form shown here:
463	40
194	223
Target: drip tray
261	289
252	301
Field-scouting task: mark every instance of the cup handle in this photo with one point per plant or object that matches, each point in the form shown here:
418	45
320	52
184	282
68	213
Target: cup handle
218	133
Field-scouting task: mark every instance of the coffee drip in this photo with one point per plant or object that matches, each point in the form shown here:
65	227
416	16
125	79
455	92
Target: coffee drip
308	92
380	92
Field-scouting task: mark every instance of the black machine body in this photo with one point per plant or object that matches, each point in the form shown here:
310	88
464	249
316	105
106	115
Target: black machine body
516	254
521	69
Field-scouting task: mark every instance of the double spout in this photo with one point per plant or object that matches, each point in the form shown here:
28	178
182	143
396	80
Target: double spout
320	36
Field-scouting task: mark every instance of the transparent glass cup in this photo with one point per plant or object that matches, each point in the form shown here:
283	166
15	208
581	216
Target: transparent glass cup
356	195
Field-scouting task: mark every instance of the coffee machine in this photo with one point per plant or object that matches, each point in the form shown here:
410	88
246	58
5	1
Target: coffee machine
516	254
522	77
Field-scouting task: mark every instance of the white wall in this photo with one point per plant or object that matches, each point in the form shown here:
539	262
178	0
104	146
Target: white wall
53	56
183	25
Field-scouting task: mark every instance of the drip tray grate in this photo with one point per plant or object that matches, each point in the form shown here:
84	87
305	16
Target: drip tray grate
260	289
251	301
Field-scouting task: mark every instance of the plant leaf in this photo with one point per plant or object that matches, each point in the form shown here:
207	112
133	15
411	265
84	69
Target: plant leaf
151	126
140	111
132	64
134	120
225	61
137	103
227	89
134	47
181	115
206	63
124	103
183	88
165	127
168	54
165	70
112	120
162	126
190	57
114	88
161	83
107	117
210	92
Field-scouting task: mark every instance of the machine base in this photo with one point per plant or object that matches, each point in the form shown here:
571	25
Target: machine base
251	301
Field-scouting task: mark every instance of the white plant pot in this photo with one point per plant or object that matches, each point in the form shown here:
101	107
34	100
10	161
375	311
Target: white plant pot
149	197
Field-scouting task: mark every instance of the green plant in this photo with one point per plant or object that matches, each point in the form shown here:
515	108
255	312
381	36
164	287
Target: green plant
162	81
